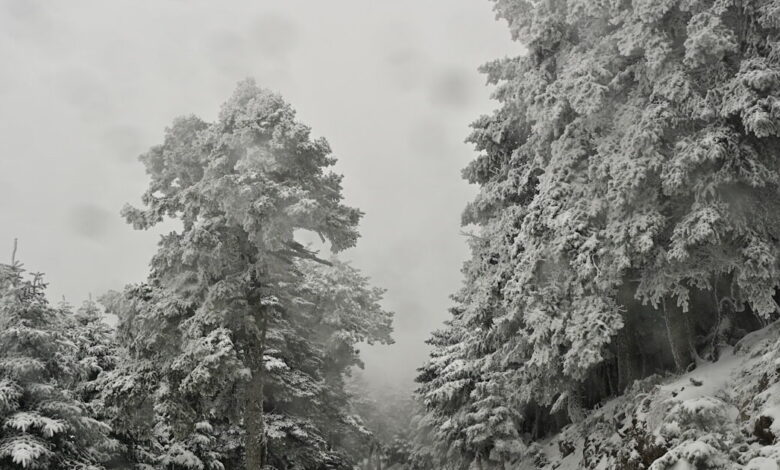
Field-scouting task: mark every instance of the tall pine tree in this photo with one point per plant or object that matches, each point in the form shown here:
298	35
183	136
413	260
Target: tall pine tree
242	329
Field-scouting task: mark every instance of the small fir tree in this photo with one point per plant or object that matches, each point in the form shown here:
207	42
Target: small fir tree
44	424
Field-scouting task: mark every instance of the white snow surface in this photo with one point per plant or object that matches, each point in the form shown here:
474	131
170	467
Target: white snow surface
722	415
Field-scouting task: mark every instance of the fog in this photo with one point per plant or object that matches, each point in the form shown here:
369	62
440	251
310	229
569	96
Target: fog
86	86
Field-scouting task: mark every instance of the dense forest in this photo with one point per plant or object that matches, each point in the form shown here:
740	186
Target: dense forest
628	228
618	309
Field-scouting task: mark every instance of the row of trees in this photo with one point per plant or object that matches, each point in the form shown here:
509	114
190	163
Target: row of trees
628	219
234	352
49	358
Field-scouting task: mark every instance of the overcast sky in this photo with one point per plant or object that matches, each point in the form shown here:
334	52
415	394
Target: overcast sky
86	86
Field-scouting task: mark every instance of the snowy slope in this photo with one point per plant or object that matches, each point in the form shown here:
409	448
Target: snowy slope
722	415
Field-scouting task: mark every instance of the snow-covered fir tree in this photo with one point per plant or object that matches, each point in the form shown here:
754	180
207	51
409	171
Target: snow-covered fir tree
627	219
97	352
45	422
237	344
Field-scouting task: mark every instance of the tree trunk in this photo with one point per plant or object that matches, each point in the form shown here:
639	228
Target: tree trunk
611	390
536	432
626	347
678	333
255	444
624	362
574	407
718	322
478	461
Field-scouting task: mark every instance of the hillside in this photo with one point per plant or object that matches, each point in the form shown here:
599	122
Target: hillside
722	415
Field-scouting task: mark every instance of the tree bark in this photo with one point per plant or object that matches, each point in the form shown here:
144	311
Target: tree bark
611	390
678	334
625	366
537	428
478	461
626	347
255	445
718	322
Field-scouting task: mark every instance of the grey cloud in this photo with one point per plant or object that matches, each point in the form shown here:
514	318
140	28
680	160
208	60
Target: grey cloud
125	143
90	221
404	61
24	10
7	192
406	67
261	51
30	23
429	137
228	52
452	87
275	35
85	91
6	83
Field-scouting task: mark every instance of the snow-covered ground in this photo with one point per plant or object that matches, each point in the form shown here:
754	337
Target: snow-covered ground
722	415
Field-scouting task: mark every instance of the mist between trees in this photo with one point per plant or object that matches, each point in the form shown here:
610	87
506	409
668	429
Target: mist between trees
625	247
